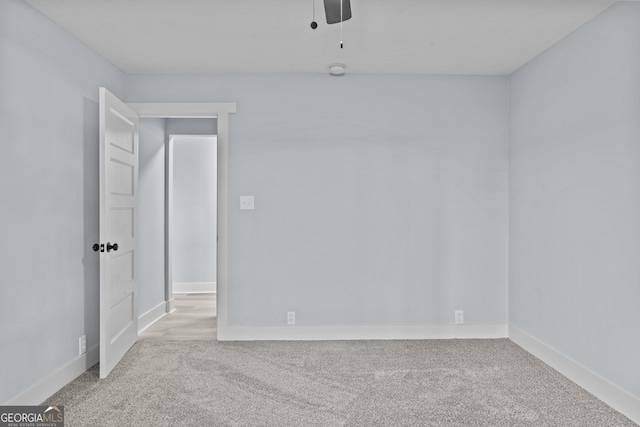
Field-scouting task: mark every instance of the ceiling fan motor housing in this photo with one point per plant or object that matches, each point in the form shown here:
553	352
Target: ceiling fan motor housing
332	10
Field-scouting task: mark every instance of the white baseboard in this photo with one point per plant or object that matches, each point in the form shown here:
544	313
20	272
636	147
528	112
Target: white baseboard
194	287
609	393
46	387
359	332
152	316
171	305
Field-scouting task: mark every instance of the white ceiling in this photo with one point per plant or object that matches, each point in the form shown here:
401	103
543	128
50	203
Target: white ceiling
484	37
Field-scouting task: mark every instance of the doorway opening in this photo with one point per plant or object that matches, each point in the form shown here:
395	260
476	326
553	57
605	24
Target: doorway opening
191	234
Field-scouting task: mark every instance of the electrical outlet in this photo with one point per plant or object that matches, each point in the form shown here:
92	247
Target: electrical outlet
459	317
291	318
247	203
82	344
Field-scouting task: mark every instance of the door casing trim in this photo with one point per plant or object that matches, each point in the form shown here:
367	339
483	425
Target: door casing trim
221	112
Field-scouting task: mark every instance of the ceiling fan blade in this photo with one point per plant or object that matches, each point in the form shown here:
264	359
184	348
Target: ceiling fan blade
332	10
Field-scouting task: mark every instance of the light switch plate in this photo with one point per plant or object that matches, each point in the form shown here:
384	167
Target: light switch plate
247	203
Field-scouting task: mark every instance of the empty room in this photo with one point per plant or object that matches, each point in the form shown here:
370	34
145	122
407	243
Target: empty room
419	212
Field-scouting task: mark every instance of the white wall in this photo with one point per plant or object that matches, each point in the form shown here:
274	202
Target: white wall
151	214
192	126
194	213
379	199
575	197
49	190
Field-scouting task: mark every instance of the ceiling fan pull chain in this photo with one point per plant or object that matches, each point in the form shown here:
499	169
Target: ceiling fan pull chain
314	24
341	21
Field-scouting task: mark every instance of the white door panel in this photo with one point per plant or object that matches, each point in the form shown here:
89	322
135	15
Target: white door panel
118	204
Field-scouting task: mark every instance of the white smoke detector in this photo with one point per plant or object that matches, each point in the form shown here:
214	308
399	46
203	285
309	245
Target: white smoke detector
336	69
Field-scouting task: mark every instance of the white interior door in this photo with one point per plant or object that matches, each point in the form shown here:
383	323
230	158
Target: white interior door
118	205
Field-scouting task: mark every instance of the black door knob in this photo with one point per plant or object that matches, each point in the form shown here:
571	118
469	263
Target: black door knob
110	246
97	247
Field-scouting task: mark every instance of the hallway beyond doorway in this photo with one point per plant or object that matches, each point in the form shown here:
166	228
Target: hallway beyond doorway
193	319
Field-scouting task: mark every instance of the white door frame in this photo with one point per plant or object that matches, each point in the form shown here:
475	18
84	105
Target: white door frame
220	111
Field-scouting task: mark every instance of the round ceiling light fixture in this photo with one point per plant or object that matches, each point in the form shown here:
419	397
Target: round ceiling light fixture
336	69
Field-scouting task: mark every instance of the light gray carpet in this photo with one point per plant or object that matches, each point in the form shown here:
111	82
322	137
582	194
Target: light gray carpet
331	383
